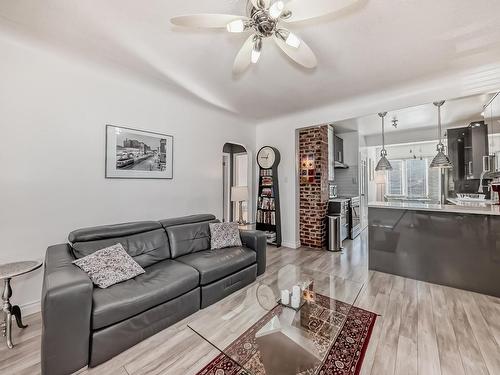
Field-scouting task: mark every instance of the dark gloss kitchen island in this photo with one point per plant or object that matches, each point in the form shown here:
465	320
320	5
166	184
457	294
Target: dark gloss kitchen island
456	246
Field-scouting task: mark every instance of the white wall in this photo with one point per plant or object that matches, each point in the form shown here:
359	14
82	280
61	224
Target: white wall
53	112
283	138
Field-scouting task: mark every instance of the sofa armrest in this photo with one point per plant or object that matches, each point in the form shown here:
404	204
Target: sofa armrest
256	240
66	313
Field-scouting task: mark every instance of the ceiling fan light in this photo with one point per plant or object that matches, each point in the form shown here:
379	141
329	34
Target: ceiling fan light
292	40
237	26
257	48
255	56
276	10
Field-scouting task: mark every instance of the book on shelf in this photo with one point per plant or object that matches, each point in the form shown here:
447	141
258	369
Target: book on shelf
267	192
267	181
270	236
265	203
266	217
266	172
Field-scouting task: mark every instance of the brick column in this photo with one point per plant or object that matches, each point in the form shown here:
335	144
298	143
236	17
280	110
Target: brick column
313	142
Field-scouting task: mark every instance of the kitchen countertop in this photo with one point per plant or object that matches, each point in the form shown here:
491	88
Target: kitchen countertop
447	208
339	199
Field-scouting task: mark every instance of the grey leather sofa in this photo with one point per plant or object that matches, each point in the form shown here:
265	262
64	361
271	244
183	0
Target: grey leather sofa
83	325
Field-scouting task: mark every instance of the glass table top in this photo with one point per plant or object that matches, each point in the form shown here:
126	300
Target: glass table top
264	337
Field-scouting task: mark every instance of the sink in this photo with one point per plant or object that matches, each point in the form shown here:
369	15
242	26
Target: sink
471	202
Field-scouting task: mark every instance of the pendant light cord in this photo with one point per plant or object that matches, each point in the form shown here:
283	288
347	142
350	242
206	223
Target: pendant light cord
382	116
383	133
440	146
439	125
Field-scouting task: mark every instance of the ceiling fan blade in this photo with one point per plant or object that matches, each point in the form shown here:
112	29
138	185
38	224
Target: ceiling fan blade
261	4
303	10
302	55
244	56
206	20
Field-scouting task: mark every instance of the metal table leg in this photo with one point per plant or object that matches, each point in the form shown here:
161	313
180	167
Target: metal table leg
7	310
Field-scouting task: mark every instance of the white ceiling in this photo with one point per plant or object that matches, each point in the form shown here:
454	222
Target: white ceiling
375	45
456	112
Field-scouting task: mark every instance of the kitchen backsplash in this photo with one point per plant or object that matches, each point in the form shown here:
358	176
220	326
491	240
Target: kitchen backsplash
347	181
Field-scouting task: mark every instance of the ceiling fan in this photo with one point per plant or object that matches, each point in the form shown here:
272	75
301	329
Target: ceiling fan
265	20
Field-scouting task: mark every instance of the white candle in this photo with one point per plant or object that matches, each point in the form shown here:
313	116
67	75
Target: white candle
296	292
285	297
295	302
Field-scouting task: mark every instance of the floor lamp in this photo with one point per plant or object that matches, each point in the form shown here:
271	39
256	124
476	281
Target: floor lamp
239	194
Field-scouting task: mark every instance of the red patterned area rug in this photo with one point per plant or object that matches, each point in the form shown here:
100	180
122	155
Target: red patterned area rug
345	354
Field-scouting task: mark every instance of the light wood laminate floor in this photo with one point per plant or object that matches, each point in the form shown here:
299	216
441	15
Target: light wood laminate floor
423	328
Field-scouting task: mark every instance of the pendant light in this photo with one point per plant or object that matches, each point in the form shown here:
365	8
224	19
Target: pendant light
383	164
441	160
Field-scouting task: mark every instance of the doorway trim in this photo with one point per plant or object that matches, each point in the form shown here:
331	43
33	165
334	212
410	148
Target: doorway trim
251	178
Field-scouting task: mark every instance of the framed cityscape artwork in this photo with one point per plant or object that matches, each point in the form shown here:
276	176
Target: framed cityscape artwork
132	153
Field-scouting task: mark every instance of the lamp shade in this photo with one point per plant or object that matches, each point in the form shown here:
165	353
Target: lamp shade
383	164
239	193
441	161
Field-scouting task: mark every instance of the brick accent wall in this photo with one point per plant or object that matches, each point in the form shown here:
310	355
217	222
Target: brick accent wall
314	195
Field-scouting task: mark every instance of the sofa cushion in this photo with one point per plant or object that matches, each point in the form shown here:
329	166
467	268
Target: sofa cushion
162	282
224	235
145	242
109	266
189	238
216	264
104	232
186	220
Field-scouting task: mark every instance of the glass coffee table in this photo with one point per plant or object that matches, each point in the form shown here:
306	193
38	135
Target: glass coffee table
262	337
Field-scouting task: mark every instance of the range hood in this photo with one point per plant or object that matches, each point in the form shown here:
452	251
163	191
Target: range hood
339	165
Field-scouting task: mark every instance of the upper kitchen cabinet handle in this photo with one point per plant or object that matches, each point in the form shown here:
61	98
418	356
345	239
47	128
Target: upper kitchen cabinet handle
486	164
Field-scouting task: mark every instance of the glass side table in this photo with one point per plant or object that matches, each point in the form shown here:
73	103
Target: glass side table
7	272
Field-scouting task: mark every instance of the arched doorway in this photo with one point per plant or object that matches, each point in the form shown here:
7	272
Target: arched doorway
235	183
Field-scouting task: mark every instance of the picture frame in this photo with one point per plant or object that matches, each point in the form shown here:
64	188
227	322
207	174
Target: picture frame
138	154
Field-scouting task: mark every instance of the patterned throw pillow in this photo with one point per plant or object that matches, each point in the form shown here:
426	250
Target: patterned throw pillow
224	235
109	266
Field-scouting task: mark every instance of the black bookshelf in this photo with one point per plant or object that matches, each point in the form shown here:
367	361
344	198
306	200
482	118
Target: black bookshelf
268	199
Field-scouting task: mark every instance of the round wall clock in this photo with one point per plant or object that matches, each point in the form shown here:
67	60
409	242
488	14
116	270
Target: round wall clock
266	157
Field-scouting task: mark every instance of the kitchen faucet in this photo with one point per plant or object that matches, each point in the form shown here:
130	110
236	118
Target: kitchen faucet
481	186
486	171
489	176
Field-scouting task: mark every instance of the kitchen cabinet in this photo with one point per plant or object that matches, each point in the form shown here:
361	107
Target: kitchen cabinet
335	153
456	138
339	150
331	153
467	149
492	118
476	148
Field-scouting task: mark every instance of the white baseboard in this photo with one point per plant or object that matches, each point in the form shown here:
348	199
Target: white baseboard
290	244
30	308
